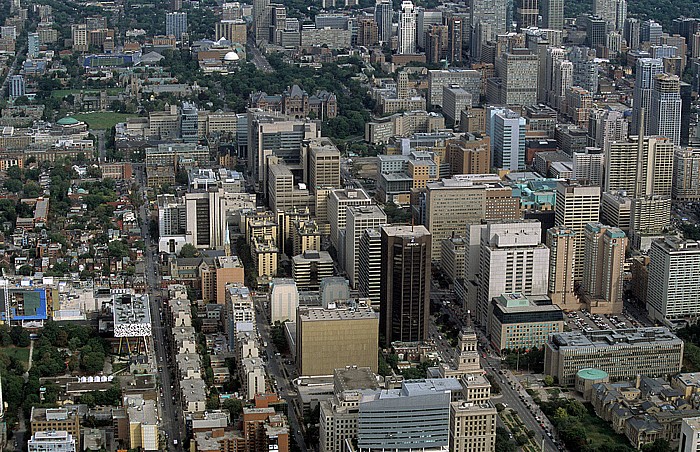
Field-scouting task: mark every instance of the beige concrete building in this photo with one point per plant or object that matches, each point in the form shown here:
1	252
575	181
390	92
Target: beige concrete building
338	201
469	155
265	254
452	255
322	165
329	339
231	30
603	268
282	193
651	352
577	205
472	426
686	175
359	218
562	254
306	235
66	419
452	204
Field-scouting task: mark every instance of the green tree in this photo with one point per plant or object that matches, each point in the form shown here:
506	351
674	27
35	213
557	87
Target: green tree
548	380
26	270
117	249
188	250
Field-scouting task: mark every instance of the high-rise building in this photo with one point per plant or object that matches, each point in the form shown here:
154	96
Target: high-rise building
367	32
407	28
527	14
472	426
665	108
585	68
674	269
651	32
589	165
358	219
17	86
518	70
646	71
262	19
233	30
79	34
369	271
512	259
632	32
189	129
487	19
323	332
553	14
603	269
455	39
686	174
384	15
613	12
425	18
176	24
452	204
469	155
562	254
338	202
606	126
405	286
323	164
506	129
284	300
577	205
632	162
454	101
436	43
469	79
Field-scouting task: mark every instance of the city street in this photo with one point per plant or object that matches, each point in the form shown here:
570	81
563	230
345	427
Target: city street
171	421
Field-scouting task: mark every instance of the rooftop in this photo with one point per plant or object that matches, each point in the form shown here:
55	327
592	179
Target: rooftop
354	378
608	338
321	314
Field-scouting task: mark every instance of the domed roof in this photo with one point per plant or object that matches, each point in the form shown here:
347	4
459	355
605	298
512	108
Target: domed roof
231	56
67	121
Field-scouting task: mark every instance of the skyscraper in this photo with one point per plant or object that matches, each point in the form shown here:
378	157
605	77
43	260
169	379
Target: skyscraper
562	254
262	18
647	70
176	24
369	271
487	19
508	137
405	287
665	114
455	27
553	14
674	270
424	19
358	219
383	15
603	268
577	205
512	259
527	14
518	70
33	45
17	86
407	28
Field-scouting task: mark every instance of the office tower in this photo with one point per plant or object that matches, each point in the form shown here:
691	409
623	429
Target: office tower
472	426
647	352
527	14
367	32
407	29
603	268
405	286
563	81
589	165
518	70
176	24
33	45
605	127
262	19
453	204
613	12
469	155
508	137
454	101
282	193
383	15
455	40
577	205
686	174
562	254
632	32
231	30
650	160
338	202
687	101
547	67
487	19
323	332
651	32
674	270
620	14
51	441
585	68
425	18
552	14
468	79
79	33
369	271
172	216
512	259
646	72
189	118
358	219
596	32
17	86
272	134
323	169
665	114
436	43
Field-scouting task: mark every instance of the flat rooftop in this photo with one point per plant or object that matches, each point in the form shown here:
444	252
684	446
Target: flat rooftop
321	314
354	378
609	338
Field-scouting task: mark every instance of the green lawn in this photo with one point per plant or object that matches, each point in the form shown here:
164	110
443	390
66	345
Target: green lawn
102	120
21	354
61	93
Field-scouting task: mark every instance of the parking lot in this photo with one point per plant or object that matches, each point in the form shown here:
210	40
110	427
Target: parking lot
585	321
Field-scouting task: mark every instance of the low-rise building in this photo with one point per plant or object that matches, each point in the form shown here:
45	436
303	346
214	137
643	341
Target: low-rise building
517	321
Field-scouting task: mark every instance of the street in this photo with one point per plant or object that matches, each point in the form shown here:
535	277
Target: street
171	421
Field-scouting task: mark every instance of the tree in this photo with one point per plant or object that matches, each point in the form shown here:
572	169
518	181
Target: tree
117	249
26	270
548	380
234	406
188	250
